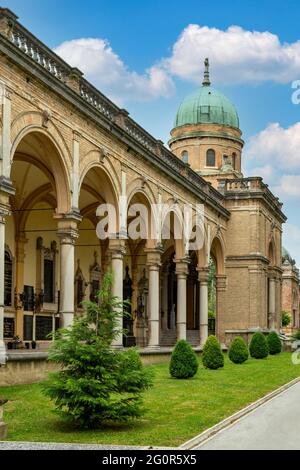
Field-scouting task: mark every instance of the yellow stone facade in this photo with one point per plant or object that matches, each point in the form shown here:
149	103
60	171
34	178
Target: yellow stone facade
66	149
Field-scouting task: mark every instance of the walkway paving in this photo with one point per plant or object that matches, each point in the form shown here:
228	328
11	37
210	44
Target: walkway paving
274	425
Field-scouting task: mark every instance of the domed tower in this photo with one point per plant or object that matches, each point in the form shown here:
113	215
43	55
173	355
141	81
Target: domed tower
206	133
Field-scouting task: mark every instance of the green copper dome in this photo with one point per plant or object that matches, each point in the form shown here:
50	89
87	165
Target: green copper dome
207	106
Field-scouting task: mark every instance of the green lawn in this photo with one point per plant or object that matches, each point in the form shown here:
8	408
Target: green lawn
177	409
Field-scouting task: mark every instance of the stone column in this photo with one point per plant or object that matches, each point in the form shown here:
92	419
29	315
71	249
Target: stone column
153	263
165	298
181	272
20	258
203	307
2	260
67	233
272	302
117	251
221	286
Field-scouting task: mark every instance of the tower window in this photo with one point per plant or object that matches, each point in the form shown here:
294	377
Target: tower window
234	160
8	279
210	158
185	156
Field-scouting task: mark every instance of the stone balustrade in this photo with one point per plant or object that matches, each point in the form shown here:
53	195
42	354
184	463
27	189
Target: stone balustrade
44	57
248	185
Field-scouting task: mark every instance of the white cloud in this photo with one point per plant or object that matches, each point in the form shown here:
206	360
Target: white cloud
291	240
266	172
102	66
237	55
274	154
276	146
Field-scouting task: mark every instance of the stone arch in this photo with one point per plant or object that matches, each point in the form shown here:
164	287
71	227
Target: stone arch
96	187
55	167
217	252
175	210
272	252
99	158
140	195
28	121
140	185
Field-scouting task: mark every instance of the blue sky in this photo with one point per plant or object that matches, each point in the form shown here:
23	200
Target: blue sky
154	51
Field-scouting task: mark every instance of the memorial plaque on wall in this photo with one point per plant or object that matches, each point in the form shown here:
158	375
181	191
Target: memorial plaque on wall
9	328
43	327
28	327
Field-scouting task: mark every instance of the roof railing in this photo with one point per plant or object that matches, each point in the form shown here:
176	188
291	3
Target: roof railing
33	48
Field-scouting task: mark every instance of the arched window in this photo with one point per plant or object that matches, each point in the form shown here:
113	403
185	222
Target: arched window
8	279
210	157
233	160
185	156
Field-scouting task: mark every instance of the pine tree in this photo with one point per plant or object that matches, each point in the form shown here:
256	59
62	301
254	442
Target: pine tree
96	383
238	351
274	343
212	356
258	346
184	362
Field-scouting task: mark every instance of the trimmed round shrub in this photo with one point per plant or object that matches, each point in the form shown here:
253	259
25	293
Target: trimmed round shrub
274	343
212	356
259	346
238	351
184	362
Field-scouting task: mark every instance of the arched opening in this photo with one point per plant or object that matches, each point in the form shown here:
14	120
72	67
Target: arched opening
210	158
234	160
185	156
40	179
98	205
212	296
135	283
216	277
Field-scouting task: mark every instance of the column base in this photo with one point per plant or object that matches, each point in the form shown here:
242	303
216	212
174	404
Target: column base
153	348
3	356
3	431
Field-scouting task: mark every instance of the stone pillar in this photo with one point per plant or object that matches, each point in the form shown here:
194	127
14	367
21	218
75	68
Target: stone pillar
2	260
153	263
20	258
165	298
203	307
272	302
221	286
67	233
181	272
117	251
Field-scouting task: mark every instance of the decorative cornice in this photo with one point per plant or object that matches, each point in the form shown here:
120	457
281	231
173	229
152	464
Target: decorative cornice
27	51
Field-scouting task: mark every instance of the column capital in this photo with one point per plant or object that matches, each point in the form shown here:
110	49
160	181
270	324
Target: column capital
154	257
117	247
182	266
203	274
4	212
67	230
6	188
